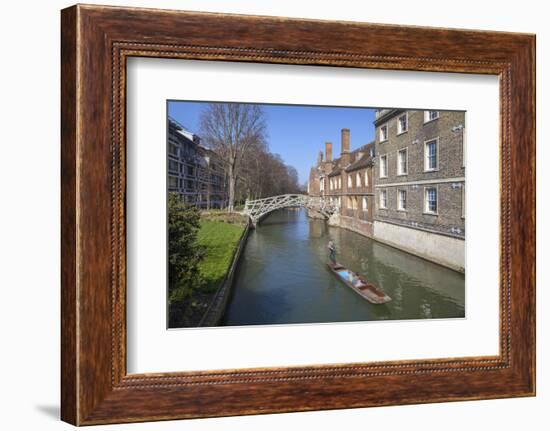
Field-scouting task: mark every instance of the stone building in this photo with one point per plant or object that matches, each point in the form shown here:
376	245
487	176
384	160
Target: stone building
195	172
420	183
406	188
347	181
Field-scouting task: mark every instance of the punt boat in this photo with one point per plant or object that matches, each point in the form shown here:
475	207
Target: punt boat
359	285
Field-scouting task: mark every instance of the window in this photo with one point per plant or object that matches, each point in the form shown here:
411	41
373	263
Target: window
383	199
173	165
384	133
365	204
430	200
383	166
172	182
402	123
430	116
402	200
358	180
173	150
402	162
430	155
322	185
340	183
350	185
366	179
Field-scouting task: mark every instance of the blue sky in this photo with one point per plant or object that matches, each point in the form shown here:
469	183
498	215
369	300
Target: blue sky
296	132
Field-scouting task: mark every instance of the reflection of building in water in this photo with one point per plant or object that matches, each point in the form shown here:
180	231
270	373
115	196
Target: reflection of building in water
407	188
317	229
195	172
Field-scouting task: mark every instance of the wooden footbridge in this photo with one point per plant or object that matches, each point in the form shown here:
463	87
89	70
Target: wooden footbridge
259	208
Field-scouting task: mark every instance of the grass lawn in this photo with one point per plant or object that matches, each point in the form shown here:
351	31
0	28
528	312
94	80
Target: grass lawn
220	241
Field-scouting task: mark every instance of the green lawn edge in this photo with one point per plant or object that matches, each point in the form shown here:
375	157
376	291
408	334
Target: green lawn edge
219	240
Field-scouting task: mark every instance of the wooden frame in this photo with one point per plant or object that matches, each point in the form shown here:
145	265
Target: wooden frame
96	41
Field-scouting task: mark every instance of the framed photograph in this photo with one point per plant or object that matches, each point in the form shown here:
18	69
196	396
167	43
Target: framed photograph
264	214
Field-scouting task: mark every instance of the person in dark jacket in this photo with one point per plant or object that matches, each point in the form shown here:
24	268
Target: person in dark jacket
332	251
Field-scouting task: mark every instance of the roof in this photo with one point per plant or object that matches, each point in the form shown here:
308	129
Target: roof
363	148
181	129
364	160
336	171
389	113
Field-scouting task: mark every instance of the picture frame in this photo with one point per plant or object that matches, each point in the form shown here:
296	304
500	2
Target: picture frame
96	41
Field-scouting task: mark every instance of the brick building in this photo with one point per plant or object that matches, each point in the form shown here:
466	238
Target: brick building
407	188
420	183
347	181
195	172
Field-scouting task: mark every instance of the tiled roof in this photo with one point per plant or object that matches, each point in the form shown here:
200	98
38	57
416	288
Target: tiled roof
364	161
335	171
361	160
364	148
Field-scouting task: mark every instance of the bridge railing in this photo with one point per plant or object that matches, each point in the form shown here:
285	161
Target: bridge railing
257	208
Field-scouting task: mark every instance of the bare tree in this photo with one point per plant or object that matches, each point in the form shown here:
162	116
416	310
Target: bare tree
231	130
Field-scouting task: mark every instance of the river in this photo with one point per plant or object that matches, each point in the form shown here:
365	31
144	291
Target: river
283	277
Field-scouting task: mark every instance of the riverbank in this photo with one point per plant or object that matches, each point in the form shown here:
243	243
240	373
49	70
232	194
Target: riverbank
219	238
218	303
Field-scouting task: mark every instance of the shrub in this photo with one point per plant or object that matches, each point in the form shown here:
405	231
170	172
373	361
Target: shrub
184	256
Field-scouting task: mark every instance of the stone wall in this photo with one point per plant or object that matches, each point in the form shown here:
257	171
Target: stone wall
441	249
354	224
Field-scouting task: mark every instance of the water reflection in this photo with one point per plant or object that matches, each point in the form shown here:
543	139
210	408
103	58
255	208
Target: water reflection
283	277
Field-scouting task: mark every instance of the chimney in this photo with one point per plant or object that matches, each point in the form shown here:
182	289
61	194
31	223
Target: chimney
320	158
345	156
328	151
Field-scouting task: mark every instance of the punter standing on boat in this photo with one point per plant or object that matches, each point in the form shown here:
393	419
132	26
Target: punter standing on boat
332	251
